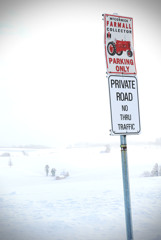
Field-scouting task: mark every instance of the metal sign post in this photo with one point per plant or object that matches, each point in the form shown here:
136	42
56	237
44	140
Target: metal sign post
126	187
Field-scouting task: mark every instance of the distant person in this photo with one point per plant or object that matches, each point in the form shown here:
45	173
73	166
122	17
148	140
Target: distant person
53	170
47	170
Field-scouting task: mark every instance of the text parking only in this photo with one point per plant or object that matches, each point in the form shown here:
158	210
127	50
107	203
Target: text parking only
125	117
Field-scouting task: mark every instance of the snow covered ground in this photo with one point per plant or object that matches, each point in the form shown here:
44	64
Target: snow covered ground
88	205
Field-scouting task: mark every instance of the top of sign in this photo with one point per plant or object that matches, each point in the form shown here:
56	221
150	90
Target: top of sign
119	46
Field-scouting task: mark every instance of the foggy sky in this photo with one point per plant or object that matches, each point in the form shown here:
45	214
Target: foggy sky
53	74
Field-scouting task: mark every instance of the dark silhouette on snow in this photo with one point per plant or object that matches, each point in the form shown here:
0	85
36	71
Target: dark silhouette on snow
47	170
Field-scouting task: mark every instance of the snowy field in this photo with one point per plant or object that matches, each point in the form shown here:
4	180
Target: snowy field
88	205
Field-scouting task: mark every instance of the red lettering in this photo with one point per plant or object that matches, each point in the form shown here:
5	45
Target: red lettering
127	62
121	61
114	60
110	60
122	68
119	25
117	68
127	68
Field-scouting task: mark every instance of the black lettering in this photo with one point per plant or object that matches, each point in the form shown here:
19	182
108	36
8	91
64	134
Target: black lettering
120	96
126	127
124	108
112	83
130	84
125	117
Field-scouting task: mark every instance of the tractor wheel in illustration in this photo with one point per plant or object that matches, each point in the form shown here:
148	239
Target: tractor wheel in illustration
111	48
129	53
119	53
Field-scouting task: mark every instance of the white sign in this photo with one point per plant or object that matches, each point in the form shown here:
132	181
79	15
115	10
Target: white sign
125	117
119	46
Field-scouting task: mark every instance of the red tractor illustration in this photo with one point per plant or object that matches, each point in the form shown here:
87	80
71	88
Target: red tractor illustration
118	47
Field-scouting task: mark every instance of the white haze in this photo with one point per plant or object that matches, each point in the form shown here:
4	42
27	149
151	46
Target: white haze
54	89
